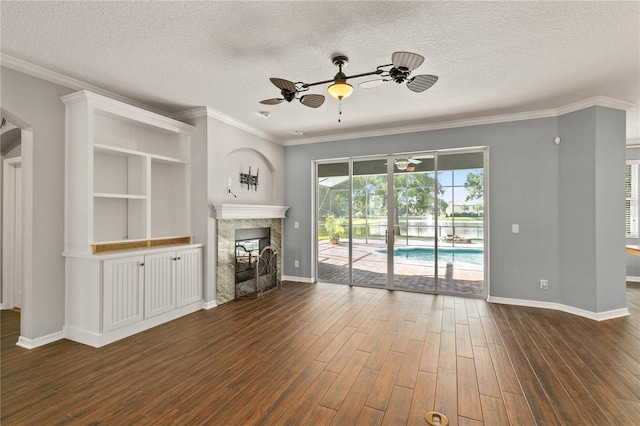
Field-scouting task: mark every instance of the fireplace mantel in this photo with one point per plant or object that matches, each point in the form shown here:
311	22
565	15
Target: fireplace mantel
249	211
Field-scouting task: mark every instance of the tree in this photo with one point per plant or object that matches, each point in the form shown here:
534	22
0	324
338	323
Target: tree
414	195
474	186
442	207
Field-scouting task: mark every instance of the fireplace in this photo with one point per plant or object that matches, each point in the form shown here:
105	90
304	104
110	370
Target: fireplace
252	272
231	218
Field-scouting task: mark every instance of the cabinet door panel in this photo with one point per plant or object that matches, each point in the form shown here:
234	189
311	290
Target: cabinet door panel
189	276
123	292
159	288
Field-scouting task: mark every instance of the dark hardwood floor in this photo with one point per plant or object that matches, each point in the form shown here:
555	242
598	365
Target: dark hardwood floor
331	354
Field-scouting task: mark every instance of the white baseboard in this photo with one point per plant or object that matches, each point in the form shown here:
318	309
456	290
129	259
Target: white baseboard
98	340
596	316
209	305
633	279
23	342
299	279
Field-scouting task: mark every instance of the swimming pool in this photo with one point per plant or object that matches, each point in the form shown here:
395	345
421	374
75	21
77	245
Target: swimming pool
449	255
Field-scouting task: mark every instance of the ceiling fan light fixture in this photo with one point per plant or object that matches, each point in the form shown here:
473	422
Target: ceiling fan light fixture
402	164
340	89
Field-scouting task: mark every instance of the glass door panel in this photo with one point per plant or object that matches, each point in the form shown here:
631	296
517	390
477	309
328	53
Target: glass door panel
413	216
461	223
333	188
369	222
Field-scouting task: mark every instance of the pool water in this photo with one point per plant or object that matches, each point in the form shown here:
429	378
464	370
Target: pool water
447	255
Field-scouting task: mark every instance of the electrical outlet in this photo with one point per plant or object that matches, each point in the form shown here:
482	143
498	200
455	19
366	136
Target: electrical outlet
544	284
296	263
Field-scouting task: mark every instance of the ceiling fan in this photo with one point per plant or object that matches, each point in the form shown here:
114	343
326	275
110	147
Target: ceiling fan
290	91
402	65
399	70
405	163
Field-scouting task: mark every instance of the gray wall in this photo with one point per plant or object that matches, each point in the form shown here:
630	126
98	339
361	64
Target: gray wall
524	188
609	209
591	188
633	262
37	103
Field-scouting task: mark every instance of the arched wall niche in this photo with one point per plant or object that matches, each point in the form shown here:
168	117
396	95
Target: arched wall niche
239	161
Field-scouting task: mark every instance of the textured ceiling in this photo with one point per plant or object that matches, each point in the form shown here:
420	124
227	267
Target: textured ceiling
492	57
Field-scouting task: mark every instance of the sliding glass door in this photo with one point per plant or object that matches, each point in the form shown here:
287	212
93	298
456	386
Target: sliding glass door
333	212
461	223
413	217
369	222
411	222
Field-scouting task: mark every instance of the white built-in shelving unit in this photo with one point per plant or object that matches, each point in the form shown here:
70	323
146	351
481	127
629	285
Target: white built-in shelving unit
127	185
127	173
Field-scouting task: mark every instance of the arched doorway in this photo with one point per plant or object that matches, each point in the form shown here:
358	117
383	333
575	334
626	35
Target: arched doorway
16	249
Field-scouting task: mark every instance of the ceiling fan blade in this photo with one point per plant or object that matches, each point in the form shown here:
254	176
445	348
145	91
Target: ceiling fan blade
372	83
272	101
281	83
414	161
407	60
312	101
422	82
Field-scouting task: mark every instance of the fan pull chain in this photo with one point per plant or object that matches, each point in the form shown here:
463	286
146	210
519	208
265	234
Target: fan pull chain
339	110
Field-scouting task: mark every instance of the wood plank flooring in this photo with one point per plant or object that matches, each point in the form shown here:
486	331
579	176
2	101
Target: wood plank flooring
323	354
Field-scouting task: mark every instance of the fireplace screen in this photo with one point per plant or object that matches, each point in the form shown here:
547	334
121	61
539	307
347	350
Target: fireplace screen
255	263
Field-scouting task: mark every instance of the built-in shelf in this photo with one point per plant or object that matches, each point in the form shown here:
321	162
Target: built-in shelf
108	149
128	173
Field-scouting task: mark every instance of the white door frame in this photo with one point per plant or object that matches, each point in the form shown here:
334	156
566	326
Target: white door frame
10	265
390	285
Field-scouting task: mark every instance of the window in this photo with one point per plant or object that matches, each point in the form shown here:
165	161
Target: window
631	206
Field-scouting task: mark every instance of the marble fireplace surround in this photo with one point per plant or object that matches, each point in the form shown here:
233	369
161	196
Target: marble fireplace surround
230	217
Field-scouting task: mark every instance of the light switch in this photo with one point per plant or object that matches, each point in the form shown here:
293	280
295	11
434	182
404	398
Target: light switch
296	224
515	228
228	181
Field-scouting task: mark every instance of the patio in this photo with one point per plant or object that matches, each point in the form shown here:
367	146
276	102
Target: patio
370	268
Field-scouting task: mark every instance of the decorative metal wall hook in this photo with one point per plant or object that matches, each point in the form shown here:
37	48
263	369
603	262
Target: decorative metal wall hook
250	179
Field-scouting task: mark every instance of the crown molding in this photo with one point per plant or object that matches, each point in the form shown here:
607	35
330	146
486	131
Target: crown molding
63	80
603	101
217	115
140	114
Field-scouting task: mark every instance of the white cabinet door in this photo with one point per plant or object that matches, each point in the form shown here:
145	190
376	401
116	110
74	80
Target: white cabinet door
189	276
123	292
159	283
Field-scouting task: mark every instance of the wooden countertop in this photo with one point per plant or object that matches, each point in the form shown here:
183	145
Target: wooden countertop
634	250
